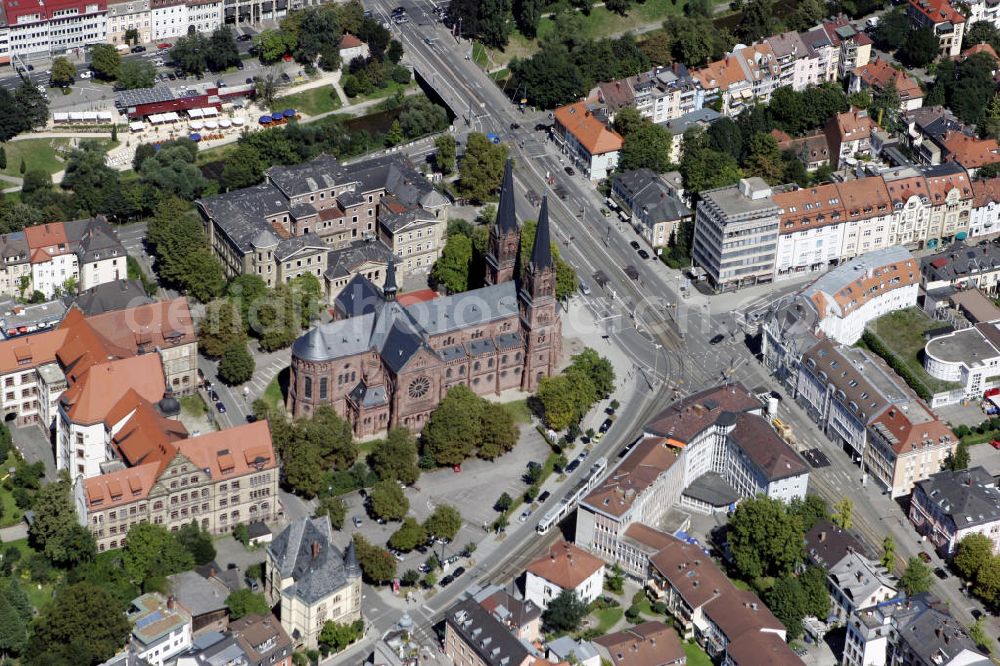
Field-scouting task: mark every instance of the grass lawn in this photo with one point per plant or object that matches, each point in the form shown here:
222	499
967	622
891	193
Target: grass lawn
11	514
380	93
364	448
193	405
312	102
272	394
519	410
215	154
36	153
38	594
695	655
607	618
903	332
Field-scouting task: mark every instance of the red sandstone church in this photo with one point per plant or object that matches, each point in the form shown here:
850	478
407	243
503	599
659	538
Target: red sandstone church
381	364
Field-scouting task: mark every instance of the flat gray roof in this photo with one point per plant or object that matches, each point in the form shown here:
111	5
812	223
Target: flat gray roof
967	346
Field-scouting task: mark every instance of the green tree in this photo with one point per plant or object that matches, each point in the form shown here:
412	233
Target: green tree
453	429
892	29
221	328
565	612
885	107
303	464
395	457
388	500
787	600
409	535
920	48
958	460
764	158
451	270
494	24
83	624
152	551
15	616
377	564
527	14
3	157
648	147
445	521
810	510
615	581
498	432
105	60
988	580
336	636
134	73
190	52
197	542
245	602
550	77
764	538
184	258
973	553
244	167
132	36
334	508
564	400
222	52
596	368
241	533
272	44
807	14
843	514
817	596
758	21
704	168
503	503
481	168
916	577
63	72
244	291
888	560
237	365
444	158
172	170
55	531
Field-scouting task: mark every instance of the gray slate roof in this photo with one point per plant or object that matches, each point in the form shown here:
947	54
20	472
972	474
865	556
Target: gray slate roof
96	238
199	596
969	496
240	214
343	262
305	553
111	296
14	248
485	635
290	246
324	172
644	189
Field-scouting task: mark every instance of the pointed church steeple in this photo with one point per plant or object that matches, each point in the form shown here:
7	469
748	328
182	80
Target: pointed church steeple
506	215
541	252
389	288
505	236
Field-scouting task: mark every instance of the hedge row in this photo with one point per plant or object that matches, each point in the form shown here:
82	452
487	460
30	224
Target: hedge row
899	367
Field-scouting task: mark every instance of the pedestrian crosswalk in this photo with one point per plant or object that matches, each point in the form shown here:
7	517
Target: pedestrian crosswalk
264	375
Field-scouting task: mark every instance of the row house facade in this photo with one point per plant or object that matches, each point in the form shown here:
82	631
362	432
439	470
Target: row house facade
944	20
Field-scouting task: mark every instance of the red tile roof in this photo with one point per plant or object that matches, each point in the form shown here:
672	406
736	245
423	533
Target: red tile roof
938	11
592	134
986	191
30	351
970	152
349	41
92	396
565	565
877	74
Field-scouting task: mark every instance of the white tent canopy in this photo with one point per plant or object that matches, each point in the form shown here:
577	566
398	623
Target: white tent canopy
194	113
224	122
136	126
211	124
237	121
209	111
197	124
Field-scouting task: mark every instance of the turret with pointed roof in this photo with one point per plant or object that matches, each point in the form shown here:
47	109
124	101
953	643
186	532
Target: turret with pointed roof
505	236
389	288
539	319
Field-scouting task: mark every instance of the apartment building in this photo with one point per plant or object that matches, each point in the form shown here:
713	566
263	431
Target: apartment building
160	630
861	404
563	567
849	136
707	607
857	582
656	209
909	630
125	15
653	643
474	637
950	197
660	94
701	118
962	266
984	218
798	64
311	580
287	226
944	20
878	74
736	233
948	506
582	133
219	479
57	256
984	10
813	149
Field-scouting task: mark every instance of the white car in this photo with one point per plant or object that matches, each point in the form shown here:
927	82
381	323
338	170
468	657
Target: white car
86	75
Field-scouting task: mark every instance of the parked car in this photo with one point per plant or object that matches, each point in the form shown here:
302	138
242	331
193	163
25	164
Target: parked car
995	443
244	38
925	557
572	466
220	408
941	573
570	171
213	395
635	244
524	516
716	339
447	580
86	74
544	496
164	45
457	572
138	48
605	426
643	254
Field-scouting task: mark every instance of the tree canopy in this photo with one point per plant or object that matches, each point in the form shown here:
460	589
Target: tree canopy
395	457
83	624
916	577
388	501
246	602
765	538
565	612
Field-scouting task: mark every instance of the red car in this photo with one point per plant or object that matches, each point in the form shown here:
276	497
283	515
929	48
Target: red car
164	45
995	443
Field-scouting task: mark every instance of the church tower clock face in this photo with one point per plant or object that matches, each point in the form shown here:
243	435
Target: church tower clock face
419	387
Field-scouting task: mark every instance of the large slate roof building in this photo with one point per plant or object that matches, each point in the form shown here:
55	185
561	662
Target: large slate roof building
311	580
288	225
381	364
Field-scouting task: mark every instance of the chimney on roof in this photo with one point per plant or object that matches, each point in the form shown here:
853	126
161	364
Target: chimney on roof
822	536
170	602
315	549
211	572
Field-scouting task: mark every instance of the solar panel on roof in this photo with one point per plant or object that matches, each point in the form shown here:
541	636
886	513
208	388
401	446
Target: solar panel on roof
144	622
